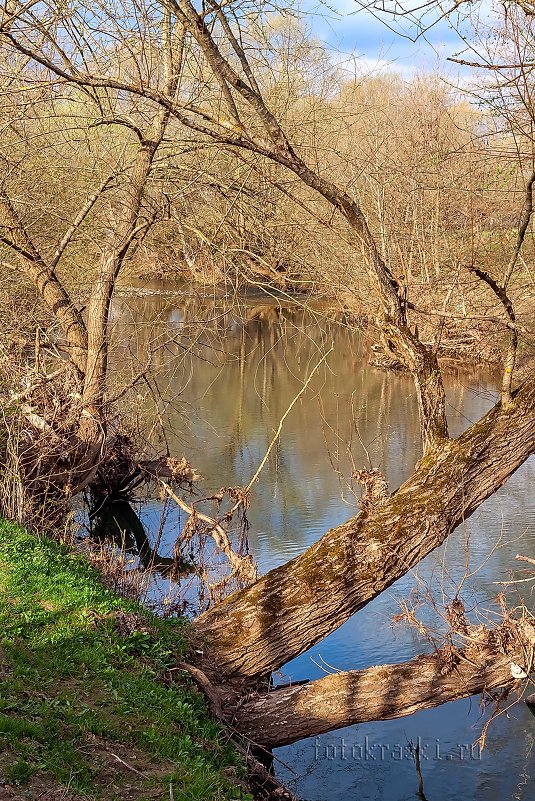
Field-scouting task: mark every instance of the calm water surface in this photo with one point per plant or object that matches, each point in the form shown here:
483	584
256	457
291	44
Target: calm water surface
224	382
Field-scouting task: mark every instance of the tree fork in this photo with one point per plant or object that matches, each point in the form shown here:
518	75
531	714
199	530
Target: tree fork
259	629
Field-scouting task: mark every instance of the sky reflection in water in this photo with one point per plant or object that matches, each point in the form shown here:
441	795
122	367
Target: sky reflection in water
222	414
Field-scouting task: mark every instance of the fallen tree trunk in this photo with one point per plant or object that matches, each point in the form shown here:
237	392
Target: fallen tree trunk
262	627
385	692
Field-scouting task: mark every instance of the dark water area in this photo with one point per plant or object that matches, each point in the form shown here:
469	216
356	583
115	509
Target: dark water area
225	373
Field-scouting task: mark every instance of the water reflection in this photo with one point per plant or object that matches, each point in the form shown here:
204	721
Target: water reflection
225	374
116	521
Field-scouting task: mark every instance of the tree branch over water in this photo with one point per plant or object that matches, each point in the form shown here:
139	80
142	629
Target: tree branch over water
178	73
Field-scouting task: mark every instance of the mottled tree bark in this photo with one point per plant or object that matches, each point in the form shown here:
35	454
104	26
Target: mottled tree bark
45	281
384	692
260	628
280	616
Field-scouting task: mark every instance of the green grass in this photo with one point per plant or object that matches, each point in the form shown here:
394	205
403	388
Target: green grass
85	682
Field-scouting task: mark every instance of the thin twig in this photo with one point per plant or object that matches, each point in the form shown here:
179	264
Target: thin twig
285	415
130	767
244	565
525	559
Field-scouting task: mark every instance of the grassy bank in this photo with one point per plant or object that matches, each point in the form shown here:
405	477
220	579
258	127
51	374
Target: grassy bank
90	705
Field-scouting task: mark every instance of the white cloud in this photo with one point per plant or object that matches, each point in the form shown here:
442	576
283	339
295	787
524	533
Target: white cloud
353	32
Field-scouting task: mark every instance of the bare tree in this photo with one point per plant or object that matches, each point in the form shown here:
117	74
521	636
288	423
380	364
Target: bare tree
260	628
134	206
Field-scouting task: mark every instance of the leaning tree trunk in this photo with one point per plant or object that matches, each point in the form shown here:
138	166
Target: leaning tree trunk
45	281
127	228
259	629
92	423
383	692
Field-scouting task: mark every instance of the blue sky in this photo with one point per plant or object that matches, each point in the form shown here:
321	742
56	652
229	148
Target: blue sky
358	32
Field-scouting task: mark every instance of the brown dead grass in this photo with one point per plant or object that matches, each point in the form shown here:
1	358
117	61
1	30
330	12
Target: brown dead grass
125	773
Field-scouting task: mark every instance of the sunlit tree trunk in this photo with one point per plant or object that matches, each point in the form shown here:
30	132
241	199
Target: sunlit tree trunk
292	607
384	692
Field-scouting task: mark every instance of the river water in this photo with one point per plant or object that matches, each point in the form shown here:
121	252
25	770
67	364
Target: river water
225	374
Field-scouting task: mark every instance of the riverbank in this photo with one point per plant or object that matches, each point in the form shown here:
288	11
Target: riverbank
92	705
464	336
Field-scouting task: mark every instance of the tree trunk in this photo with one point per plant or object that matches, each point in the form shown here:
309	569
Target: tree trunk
135	194
268	139
45	281
384	692
101	296
420	359
259	629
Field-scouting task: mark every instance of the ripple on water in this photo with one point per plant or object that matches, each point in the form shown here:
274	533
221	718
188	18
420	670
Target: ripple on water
229	407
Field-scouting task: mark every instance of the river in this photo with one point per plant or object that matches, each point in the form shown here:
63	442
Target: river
224	381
